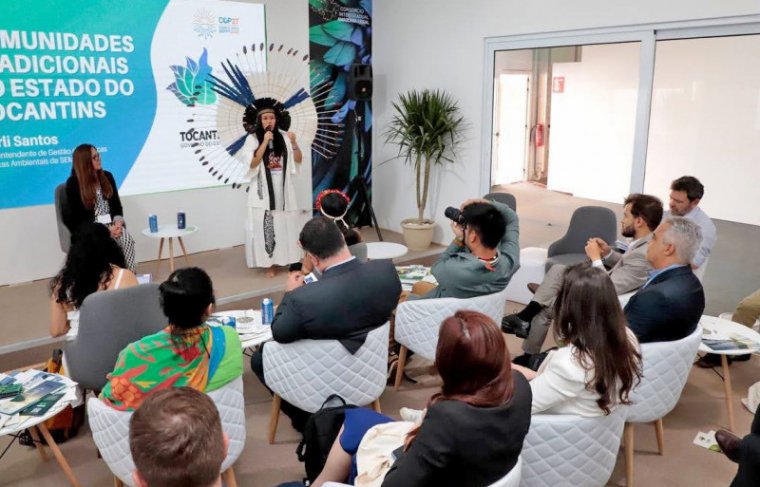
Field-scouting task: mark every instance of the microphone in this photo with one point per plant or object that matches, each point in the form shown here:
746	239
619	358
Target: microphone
271	142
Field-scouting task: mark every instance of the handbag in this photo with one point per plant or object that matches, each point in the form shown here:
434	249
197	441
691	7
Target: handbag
375	455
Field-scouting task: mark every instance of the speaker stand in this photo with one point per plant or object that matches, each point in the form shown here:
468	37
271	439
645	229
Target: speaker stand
359	182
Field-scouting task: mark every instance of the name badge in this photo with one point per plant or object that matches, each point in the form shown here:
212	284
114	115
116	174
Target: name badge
104	219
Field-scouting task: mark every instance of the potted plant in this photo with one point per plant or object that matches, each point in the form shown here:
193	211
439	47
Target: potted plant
427	126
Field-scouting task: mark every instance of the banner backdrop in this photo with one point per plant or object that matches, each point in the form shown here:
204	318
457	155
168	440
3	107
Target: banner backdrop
340	35
121	76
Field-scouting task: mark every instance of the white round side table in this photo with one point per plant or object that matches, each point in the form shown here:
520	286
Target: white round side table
714	326
170	232
385	250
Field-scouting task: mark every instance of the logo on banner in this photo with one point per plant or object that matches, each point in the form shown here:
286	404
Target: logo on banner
196	138
204	24
229	25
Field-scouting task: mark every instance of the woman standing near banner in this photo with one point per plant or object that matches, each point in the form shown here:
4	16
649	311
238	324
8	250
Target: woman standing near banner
92	196
274	219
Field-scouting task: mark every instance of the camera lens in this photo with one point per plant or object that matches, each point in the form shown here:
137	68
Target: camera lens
454	214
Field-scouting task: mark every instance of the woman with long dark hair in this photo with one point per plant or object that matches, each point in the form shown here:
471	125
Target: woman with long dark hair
473	430
94	263
188	352
274	217
599	364
92	196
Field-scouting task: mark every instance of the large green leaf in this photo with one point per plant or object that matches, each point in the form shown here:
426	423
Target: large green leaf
340	30
319	71
318	4
341	54
318	35
206	95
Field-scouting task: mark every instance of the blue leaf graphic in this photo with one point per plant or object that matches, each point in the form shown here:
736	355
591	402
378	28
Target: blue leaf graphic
367	6
192	65
357	37
337	93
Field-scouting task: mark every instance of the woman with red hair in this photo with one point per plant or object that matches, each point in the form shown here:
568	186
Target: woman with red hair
473	430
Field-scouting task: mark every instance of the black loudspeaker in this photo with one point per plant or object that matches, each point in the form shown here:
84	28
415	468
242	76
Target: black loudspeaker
360	82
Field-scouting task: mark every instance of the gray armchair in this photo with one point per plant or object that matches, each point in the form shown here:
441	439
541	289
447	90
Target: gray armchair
108	322
586	222
505	198
64	236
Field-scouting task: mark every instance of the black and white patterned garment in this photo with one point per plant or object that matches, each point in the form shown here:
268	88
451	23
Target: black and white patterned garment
125	241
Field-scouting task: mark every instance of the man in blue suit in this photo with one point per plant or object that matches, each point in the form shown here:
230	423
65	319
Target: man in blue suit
669	305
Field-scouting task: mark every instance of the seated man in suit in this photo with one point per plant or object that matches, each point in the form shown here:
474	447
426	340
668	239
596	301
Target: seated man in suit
668	307
483	256
350	300
628	271
176	438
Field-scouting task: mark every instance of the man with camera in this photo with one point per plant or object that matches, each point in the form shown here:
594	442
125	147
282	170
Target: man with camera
484	254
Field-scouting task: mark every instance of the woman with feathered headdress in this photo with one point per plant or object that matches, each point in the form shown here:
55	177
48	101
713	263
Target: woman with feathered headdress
274	219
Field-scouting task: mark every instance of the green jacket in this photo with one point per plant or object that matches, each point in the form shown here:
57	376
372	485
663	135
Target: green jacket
462	275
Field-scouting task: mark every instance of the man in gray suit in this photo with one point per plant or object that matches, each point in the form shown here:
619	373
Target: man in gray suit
628	271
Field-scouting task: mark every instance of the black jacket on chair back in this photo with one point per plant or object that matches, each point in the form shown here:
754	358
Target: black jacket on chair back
350	300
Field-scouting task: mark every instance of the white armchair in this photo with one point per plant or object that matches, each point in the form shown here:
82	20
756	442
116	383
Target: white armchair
665	367
110	430
305	373
418	321
532	269
566	450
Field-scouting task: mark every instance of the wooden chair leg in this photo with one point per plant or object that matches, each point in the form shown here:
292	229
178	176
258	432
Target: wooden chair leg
628	442
117	482
400	367
38	444
274	418
376	406
58	455
228	476
660	432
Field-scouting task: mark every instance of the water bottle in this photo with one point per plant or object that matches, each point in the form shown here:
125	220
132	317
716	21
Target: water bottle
267	311
181	220
153	223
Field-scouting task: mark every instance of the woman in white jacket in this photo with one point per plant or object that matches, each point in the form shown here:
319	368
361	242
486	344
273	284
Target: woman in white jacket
274	219
600	363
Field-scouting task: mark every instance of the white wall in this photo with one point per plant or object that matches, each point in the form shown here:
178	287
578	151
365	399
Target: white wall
29	246
439	44
593	122
706	123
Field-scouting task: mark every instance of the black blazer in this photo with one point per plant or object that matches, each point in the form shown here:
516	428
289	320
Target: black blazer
75	214
669	308
465	446
348	302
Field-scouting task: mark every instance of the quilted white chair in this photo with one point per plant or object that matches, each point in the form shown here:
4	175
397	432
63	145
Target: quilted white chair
665	369
566	450
110	430
418	321
532	269
305	373
512	479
